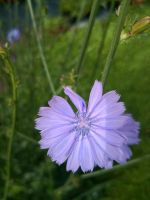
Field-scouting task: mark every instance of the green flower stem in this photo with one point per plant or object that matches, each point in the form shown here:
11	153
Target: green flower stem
99	51
70	46
59	90
92	190
117	167
105	27
74	60
9	70
77	181
41	53
27	138
87	36
115	41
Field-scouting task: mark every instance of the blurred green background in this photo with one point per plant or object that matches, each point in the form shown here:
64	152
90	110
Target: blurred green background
61	27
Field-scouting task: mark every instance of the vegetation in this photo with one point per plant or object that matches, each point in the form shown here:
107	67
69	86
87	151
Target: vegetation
33	175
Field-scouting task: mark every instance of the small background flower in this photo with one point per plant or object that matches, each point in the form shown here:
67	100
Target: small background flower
13	35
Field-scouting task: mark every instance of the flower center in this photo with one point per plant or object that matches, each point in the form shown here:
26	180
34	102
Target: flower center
83	124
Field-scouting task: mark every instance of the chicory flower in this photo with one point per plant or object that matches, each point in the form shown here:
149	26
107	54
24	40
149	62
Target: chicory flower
94	135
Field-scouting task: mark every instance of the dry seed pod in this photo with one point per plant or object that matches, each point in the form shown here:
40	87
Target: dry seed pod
140	26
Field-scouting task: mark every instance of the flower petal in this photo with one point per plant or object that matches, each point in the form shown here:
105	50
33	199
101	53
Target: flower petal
60	114
100	158
110	123
111	136
76	99
44	123
61	106
107	99
113	152
61	150
130	130
111	97
49	143
108	110
73	160
51	137
53	115
95	96
86	155
50	133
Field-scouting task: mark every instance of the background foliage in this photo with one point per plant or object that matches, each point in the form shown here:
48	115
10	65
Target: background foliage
33	175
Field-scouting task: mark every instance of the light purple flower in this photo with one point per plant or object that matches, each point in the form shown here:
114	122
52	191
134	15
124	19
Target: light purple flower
13	35
95	135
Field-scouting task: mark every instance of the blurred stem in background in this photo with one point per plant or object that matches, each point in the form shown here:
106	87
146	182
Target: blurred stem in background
9	70
27	138
75	182
105	27
16	13
100	49
48	75
72	41
70	46
117	167
115	40
10	18
87	36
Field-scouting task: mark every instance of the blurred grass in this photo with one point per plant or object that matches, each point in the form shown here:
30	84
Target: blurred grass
34	176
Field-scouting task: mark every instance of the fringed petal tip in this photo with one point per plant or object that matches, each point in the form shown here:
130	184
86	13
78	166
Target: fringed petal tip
80	169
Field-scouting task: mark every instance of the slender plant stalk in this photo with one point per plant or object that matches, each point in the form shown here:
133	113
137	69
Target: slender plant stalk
87	36
16	13
74	60
40	48
115	41
9	10
59	90
70	186
99	51
117	167
9	69
27	138
107	172
70	46
90	191
105	26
